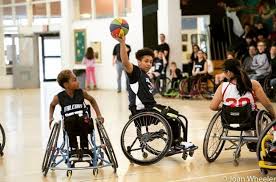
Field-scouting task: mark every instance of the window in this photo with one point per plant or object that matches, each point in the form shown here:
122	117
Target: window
39	10
124	7
6	1
104	8
39	14
21	15
85	8
55	9
20	1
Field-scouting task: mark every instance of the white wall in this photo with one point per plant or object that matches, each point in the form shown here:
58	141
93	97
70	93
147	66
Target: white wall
98	30
169	23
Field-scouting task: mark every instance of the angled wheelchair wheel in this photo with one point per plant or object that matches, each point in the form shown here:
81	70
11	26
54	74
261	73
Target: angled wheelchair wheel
268	134
263	119
212	144
146	138
162	85
267	88
51	148
2	140
184	87
108	149
206	87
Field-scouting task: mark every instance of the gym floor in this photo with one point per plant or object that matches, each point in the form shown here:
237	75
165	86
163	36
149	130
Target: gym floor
24	115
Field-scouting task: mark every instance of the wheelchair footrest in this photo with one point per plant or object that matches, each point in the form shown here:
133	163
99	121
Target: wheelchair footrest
183	148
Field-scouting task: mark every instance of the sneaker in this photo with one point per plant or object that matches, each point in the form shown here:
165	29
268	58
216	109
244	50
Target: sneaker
73	155
252	146
87	154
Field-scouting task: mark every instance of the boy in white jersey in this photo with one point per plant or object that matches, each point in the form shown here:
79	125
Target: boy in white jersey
240	90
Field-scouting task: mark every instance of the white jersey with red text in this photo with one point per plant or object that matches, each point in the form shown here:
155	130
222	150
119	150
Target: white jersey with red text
231	96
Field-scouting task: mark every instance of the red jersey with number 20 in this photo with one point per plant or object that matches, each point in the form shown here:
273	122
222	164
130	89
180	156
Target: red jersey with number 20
231	96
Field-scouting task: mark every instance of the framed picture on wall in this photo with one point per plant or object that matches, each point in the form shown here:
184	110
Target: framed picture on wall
194	39
184	47
97	51
184	37
79	44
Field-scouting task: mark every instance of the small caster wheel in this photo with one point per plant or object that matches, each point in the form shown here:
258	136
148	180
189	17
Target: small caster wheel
95	172
191	153
145	155
264	171
69	173
53	165
235	162
184	156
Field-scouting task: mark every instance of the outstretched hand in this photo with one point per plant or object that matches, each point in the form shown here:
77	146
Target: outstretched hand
121	39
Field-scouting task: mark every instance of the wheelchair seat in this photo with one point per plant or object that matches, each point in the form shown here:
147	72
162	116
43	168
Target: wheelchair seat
237	118
224	127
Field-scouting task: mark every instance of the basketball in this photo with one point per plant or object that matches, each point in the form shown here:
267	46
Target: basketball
119	28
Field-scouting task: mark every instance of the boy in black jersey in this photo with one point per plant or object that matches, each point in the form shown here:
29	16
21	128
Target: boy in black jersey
72	105
140	93
158	64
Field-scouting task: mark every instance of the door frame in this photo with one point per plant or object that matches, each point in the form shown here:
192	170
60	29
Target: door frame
43	36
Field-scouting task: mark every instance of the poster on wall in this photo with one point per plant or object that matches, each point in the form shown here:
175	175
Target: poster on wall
97	51
80	44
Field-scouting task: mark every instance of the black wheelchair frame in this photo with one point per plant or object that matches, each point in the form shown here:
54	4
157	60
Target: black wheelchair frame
2	140
221	135
143	141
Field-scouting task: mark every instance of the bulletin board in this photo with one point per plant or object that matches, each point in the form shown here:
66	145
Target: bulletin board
97	51
80	44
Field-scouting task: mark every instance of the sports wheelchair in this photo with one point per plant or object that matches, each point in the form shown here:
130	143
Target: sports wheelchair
225	123
2	140
154	133
103	153
161	84
203	85
266	158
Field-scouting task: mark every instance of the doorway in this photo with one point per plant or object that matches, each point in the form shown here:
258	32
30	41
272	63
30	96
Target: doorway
50	55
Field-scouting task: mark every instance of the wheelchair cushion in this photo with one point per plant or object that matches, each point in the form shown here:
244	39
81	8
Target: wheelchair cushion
237	118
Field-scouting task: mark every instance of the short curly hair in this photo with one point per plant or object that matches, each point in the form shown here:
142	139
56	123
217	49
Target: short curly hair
64	77
144	52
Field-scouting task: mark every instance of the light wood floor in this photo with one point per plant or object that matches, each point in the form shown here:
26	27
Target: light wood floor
24	115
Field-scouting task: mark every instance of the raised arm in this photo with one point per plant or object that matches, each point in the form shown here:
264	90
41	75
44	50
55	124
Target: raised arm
52	109
128	67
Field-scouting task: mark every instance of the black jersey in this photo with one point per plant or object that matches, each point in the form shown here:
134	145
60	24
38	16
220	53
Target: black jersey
71	106
158	65
140	93
199	66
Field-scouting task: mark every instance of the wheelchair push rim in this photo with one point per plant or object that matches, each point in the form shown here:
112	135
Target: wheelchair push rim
2	140
162	85
183	87
263	119
206	88
267	132
146	138
215	131
108	149
51	148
